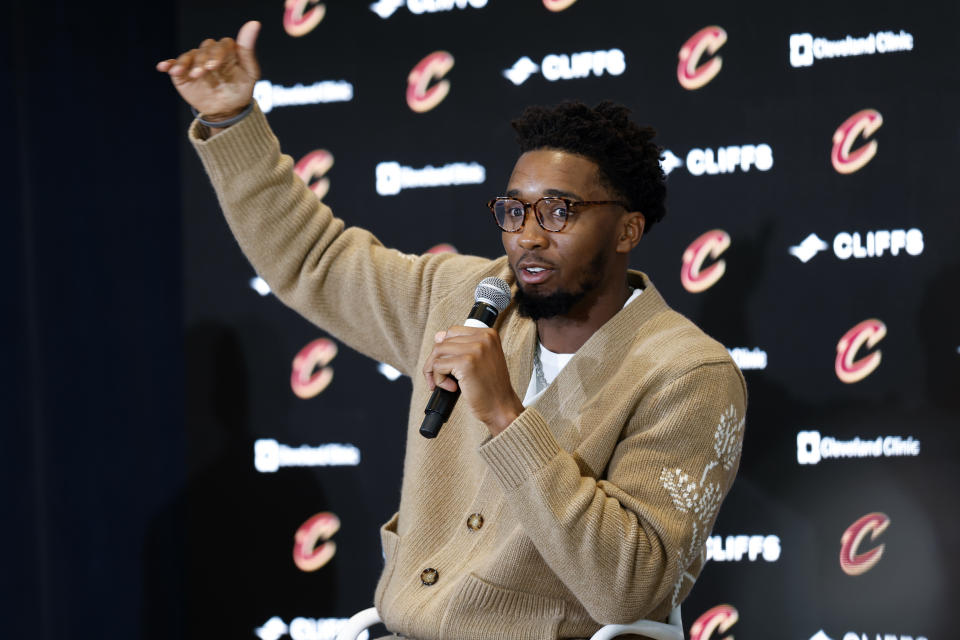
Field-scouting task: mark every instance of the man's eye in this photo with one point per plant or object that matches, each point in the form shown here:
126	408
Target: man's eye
516	212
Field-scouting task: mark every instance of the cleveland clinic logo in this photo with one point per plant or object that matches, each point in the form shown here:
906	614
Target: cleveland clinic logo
270	455
270	96
563	66
804	48
813	447
694	275
862	124
386	8
425	86
755	358
693	72
393	177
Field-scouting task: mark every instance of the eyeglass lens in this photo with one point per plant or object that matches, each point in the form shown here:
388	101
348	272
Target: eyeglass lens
551	212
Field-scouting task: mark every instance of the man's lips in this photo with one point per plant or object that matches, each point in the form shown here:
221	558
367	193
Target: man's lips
534	272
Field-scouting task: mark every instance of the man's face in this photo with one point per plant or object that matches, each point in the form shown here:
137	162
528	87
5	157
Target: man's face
557	271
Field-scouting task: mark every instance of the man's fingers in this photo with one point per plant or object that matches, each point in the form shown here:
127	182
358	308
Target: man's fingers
164	65
447	383
183	64
198	63
220	53
247	36
246	41
470	333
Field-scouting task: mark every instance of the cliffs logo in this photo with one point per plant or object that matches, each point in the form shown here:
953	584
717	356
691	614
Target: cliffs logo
857	245
852	560
862	124
310	374
848	367
853	635
714	622
722	160
690	72
312	546
301	628
298	20
312	168
563	66
425	86
693	275
737	548
386	8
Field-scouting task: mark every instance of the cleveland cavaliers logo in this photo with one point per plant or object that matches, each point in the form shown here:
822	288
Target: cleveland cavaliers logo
298	20
421	96
310	374
693	275
852	560
690	72
848	367
312	168
862	124
558	5
312	546
717	620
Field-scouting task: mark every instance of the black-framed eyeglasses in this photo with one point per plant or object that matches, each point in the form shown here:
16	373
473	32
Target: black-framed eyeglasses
552	212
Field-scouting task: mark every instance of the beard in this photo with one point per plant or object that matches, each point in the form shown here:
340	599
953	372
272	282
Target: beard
561	301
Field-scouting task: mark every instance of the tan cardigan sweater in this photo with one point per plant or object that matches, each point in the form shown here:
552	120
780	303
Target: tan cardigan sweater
596	501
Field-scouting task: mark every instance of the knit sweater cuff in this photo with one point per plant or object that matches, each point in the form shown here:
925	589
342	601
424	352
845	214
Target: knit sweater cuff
521	449
230	151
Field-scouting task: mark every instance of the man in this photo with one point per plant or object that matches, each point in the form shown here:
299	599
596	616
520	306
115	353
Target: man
597	432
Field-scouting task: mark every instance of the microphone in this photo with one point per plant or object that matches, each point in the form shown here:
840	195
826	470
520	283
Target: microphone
492	296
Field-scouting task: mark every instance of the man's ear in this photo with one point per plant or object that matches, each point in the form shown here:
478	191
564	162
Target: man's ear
631	230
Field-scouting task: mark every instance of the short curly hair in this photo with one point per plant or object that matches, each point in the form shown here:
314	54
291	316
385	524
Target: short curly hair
628	159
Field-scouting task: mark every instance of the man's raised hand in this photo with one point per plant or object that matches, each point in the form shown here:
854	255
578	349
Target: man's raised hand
217	78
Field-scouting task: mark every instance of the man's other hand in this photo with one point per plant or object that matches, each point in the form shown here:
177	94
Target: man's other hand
217	78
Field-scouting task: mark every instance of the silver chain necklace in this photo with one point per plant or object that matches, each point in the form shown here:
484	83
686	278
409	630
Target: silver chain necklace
538	368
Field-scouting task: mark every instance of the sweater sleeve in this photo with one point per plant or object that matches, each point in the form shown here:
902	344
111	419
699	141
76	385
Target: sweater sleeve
629	545
340	278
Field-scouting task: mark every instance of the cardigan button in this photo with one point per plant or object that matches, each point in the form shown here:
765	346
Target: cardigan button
475	521
429	577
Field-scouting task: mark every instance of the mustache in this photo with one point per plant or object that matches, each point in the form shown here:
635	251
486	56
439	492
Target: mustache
534	258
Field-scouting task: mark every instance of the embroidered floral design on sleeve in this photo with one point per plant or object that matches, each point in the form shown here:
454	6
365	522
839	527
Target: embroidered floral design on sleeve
701	498
728	438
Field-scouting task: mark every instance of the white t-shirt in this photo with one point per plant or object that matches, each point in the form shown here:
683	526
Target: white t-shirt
554	362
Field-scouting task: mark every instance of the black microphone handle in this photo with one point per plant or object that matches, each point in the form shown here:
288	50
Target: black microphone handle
441	403
437	411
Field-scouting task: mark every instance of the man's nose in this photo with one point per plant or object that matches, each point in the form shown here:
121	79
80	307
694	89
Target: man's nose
532	234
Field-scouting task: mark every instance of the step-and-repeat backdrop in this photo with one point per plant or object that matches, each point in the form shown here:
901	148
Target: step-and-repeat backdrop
812	227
